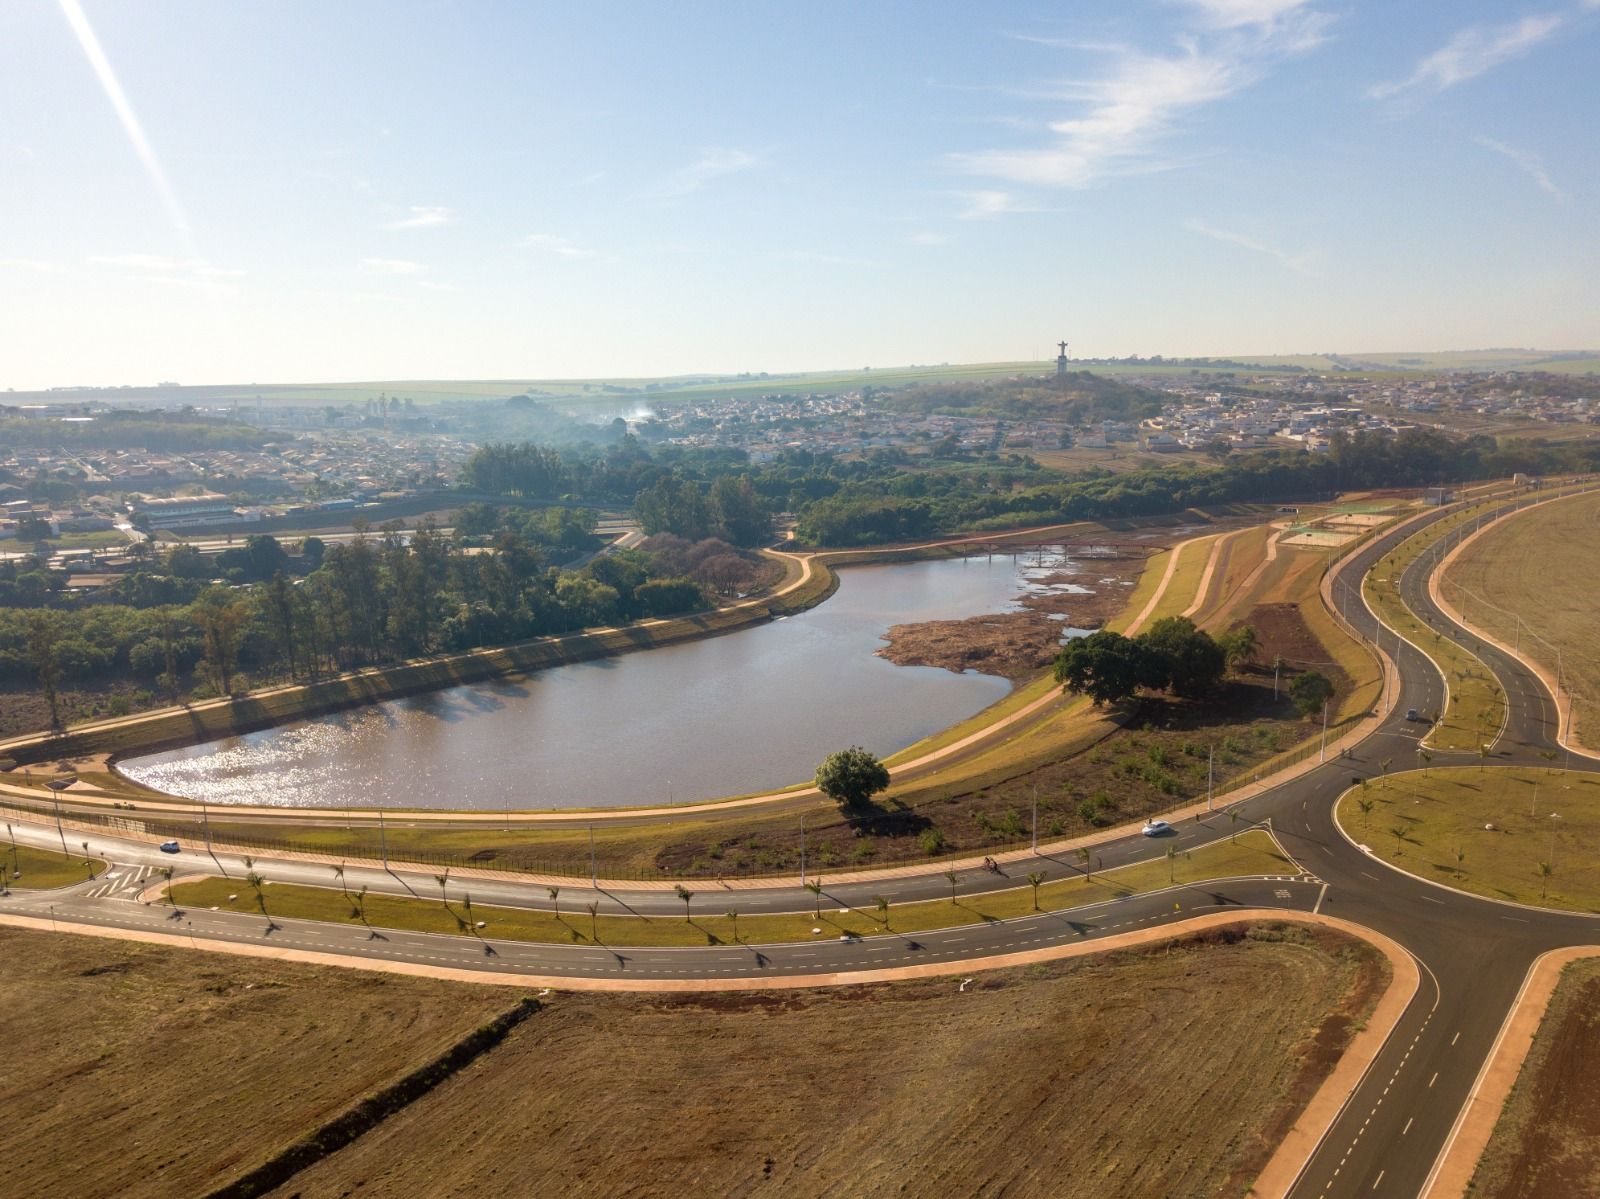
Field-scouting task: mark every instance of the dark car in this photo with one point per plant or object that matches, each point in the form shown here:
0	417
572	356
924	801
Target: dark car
169	847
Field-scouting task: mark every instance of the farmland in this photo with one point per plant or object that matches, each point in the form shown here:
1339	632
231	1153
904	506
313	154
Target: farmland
897	1088
1530	582
156	1072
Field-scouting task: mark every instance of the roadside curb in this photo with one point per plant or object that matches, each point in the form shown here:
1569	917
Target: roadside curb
1453	1171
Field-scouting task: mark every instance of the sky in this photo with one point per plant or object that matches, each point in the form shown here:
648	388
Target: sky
305	191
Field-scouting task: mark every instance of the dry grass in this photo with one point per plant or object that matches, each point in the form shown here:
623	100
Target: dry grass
1530	581
1546	1144
1161	1072
141	1071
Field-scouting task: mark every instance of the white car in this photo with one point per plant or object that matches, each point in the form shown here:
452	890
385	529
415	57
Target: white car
1154	828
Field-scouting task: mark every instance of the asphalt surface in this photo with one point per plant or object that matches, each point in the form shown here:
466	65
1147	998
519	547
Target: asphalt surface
1473	953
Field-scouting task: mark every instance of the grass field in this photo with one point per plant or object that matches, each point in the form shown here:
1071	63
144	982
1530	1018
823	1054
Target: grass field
154	1072
32	869
1252	853
1546	1144
1435	826
1531	581
1170	1072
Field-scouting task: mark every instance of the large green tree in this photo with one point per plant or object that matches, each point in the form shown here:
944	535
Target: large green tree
1105	666
1309	690
1181	658
851	776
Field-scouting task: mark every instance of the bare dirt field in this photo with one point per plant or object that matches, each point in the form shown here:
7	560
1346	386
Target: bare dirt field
1530	581
1156	1072
140	1071
1547	1142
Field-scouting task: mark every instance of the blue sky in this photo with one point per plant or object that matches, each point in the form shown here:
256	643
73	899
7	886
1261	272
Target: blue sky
309	191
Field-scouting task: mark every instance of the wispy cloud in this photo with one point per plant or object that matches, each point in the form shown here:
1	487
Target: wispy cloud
1530	162
926	237
1471	52
1142	97
984	205
161	264
392	266
423	217
820	257
1294	262
560	247
713	163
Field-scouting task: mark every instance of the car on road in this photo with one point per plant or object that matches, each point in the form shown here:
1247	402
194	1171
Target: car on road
1154	828
169	847
1413	714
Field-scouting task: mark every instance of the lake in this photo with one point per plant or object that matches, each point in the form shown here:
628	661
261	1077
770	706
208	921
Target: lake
749	711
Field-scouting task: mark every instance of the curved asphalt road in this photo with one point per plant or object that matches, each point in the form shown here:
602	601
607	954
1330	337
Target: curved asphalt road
1474	953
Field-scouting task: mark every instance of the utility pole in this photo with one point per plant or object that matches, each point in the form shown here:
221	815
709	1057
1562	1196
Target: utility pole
1211	754
205	819
1322	755
802	851
594	873
383	840
1036	820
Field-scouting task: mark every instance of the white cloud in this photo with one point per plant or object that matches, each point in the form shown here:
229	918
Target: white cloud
560	247
161	264
981	205
1142	97
423	217
1531	163
392	266
926	237
1295	262
713	163
1473	51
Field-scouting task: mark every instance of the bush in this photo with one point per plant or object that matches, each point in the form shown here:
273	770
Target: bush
931	841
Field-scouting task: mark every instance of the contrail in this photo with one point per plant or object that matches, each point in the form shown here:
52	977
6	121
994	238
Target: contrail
101	65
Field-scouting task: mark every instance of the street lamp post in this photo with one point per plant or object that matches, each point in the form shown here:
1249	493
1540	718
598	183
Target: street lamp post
802	851
594	873
1322	754
1211	754
1036	820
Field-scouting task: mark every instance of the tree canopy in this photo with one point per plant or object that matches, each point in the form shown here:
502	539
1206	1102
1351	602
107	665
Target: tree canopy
851	776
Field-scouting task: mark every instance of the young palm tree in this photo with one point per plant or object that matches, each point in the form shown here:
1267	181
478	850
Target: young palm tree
1233	824
1034	879
952	876
1545	871
1086	860
442	879
733	915
1384	766
1365	805
594	922
815	887
167	870
555	898
686	896
883	909
361	903
1398	832
1172	857
256	882
1426	758
466	902
338	873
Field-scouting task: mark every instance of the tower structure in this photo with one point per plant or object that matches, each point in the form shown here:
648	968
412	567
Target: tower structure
1061	362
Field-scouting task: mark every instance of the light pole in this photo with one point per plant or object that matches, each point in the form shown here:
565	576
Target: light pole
802	851
594	873
1322	755
1211	754
383	840
205	819
57	786
1036	820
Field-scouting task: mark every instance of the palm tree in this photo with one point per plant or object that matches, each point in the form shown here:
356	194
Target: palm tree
883	909
686	896
442	879
1483	756
1086	860
733	915
1233	825
1366	811
555	898
256	882
167	870
1172	857
1398	832
1384	766
1034	879
361	903
1426	758
1461	856
594	922
952	876
815	887
1549	755
1545	871
466	902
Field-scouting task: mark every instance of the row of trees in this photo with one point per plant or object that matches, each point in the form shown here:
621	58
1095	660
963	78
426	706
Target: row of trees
371	600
